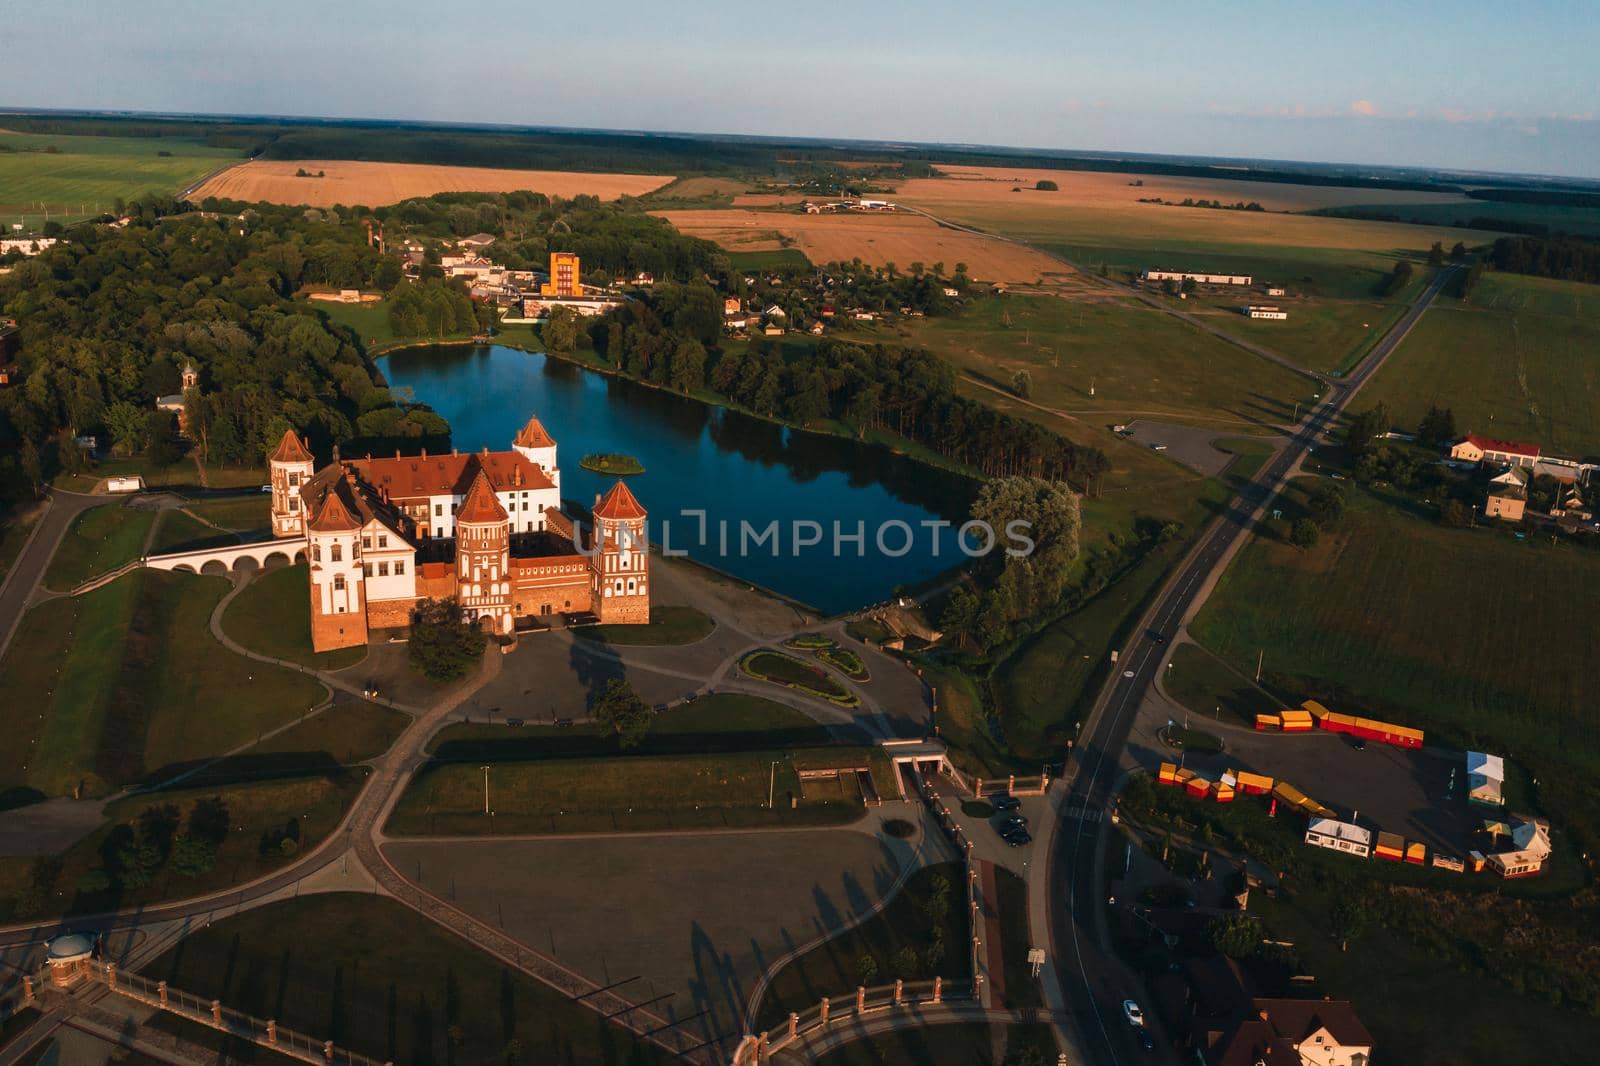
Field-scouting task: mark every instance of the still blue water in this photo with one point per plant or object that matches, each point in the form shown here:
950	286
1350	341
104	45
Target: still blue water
733	467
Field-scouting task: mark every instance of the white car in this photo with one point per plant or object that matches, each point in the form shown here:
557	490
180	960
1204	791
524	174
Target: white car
1131	1011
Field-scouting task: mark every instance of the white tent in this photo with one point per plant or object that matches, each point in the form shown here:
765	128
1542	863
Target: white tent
1486	779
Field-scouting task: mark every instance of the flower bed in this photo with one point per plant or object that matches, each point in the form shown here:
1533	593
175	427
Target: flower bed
791	672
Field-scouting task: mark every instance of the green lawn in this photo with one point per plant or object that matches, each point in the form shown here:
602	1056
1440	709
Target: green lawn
180	532
272	616
78	176
668	625
373	976
1320	334
98	541
301	801
1248	456
350	733
241	514
14	531
1209	688
791	672
102	689
912	937
777	259
1113	361
1022	988
1517	362
635	792
948	1045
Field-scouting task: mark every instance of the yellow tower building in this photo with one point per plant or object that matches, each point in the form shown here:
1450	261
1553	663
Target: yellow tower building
563	276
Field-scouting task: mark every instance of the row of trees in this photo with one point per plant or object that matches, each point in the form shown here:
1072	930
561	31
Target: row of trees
1567	258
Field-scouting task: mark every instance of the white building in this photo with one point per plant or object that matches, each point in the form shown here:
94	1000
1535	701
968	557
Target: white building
1530	850
1486	779
1340	836
1198	279
1266	311
26	245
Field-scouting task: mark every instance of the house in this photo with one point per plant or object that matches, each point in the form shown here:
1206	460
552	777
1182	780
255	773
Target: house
774	311
952	293
1486	779
736	322
1571	504
1507	502
1266	311
477	242
732	305
1529	851
816	329
863	316
1273	290
1340	836
1474	448
26	245
827	310
1288	1032
1197	278
565	272
773	330
537	307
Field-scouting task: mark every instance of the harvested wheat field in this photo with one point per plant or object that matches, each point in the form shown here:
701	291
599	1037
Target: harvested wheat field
375	184
1080	188
877	238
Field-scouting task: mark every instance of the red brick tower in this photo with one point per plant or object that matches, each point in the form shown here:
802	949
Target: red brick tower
291	466
338	600
621	561
483	557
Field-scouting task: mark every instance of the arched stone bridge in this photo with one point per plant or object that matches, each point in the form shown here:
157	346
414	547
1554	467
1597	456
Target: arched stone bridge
260	555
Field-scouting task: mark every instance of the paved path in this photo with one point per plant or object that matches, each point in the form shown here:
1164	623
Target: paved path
24	577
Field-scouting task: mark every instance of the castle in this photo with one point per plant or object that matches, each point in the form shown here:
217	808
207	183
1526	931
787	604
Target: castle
485	528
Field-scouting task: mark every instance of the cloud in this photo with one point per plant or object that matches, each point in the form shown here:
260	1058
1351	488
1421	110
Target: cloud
1363	107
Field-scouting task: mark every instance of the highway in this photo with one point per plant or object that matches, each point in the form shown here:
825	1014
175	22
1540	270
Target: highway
1094	981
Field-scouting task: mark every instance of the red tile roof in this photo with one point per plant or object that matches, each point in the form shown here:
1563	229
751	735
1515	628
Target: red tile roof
619	505
533	435
1510	447
334	516
481	506
412	476
291	449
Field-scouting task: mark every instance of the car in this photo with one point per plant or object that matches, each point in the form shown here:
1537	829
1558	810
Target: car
1158	637
1134	1013
515	723
1158	447
1005	803
1017	836
265	488
1014	820
1358	743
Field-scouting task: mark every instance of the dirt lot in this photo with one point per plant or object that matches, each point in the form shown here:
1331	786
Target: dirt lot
1089	189
374	184
878	238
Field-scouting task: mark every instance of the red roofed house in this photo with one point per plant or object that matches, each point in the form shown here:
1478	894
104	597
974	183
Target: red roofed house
485	528
1289	1032
1475	449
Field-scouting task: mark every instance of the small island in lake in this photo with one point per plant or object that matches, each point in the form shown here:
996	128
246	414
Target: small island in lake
613	463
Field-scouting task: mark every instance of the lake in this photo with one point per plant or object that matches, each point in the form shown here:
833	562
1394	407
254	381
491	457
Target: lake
744	473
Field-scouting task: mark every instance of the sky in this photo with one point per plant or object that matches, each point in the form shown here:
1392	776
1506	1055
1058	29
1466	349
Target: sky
1463	85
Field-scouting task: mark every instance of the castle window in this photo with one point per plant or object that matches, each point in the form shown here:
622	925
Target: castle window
294	504
383	540
366	542
294	480
383	569
438	509
316	553
338	553
338	582
399	566
366	568
630	586
465	567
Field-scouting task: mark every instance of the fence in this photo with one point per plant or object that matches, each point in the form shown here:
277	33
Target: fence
902	995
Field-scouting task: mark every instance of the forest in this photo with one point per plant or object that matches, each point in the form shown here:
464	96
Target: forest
1566	258
109	318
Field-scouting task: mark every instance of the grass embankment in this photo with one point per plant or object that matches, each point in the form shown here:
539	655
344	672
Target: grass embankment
182	474
240	514
1211	689
272	616
790	672
921	933
78	176
14	533
98	541
949	1045
667	626
372	976
1516	362
613	463
104	689
1022	988
1249	454
177	531
637	792
301	807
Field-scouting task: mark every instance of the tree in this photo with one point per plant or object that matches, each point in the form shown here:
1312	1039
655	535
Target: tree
1459	251
161	439
1022	383
867	970
193	856
1326	504
443	645
1304	533
560	330
1365	427
1437	428
1347	919
1046	185
621	713
1436	254
1399	279
127	426
1235	935
960	614
1453	514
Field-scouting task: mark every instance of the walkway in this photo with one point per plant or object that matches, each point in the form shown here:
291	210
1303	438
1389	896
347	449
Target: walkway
22	580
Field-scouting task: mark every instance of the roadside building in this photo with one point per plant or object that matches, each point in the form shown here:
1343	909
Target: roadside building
565	272
26	245
1507	502
1274	290
1287	1032
1529	851
1266	311
1340	836
1474	448
1196	277
477	242
537	307
1486	779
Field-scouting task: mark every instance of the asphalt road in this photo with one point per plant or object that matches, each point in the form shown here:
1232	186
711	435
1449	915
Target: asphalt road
1095	981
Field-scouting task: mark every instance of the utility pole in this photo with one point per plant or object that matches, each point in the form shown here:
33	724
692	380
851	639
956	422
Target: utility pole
1259	658
485	789
772	784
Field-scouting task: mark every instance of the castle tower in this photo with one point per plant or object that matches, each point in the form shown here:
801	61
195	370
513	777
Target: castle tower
539	448
564	276
191	376
621	561
483	557
291	466
338	598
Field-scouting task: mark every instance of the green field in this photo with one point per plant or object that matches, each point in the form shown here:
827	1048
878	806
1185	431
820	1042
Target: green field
1249	453
272	616
181	532
635	792
241	514
1138	362
76	176
102	689
98	541
1483	640
1327	335
778	259
375	977
1517	362
14	531
668	625
904	932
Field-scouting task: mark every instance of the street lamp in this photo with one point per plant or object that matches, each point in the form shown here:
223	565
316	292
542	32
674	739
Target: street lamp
485	770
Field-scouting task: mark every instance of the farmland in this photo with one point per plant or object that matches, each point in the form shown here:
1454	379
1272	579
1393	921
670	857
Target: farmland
1390	615
1515	362
375	184
74	176
1138	361
876	239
